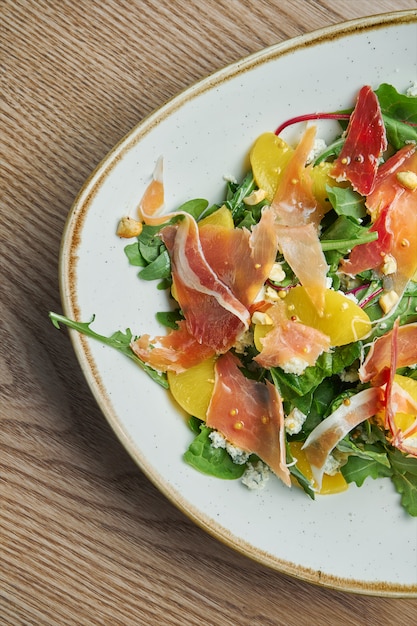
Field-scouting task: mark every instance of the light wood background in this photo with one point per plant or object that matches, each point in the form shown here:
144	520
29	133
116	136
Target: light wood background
85	538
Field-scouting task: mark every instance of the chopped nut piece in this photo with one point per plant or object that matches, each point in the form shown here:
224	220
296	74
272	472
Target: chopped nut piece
388	300
273	295
407	179
389	265
255	197
128	227
261	318
276	274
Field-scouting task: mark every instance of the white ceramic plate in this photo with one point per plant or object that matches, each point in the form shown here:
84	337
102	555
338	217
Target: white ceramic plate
360	540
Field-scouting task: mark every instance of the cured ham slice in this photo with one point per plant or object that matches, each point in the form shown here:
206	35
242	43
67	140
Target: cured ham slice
387	186
249	415
302	250
298	216
393	206
294	202
405	440
174	352
289	344
242	259
365	143
370	255
324	438
214	316
379	357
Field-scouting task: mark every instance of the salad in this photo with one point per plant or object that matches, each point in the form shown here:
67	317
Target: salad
291	339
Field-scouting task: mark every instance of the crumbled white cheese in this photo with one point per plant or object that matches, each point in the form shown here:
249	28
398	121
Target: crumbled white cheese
350	296
256	475
331	466
238	455
244	341
294	421
229	178
295	366
318	147
412	90
217	439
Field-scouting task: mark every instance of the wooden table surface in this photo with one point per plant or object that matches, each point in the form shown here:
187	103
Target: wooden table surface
85	538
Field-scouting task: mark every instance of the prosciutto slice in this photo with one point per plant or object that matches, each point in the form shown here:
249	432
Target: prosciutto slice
249	415
379	356
242	259
175	352
392	205
302	250
298	216
365	143
214	316
324	438
289	344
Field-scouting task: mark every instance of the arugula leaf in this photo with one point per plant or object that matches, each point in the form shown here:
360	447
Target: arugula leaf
331	151
406	310
346	201
242	214
396	105
357	469
133	255
398	133
209	460
369	452
327	364
404	478
397	109
403	464
118	340
169	318
195	207
322	399
344	234
160	267
406	485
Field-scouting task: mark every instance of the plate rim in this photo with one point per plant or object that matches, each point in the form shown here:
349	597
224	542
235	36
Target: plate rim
67	268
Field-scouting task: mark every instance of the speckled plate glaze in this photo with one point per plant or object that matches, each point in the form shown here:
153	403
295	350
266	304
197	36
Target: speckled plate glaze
359	541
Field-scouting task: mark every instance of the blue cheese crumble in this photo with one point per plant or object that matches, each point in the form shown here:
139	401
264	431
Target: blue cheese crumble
294	421
238	455
256	475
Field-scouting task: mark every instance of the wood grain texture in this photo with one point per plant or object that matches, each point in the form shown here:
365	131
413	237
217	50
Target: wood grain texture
85	538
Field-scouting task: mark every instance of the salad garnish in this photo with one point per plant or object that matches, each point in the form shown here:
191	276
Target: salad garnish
291	339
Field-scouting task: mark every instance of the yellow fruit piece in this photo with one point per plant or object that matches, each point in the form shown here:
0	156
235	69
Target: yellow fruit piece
330	484
221	217
404	420
320	175
193	388
343	320
259	332
268	158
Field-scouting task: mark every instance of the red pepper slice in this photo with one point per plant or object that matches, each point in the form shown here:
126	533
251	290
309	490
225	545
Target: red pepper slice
365	143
